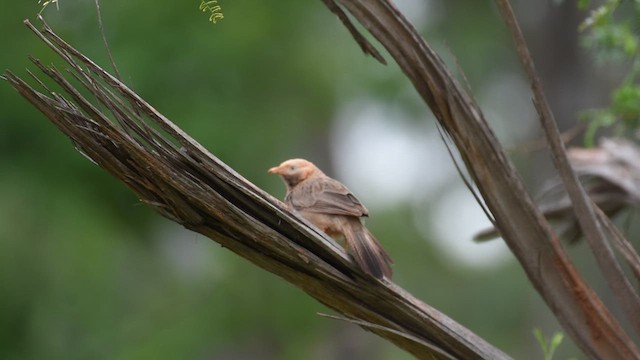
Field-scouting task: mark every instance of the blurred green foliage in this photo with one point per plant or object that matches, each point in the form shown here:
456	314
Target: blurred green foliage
86	272
548	347
612	32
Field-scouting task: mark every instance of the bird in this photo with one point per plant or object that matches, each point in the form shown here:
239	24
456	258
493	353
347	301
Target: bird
332	208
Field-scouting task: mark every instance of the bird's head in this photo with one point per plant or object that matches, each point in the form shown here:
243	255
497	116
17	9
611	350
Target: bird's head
295	171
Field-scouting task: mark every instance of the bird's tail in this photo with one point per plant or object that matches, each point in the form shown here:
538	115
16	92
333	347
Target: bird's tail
367	251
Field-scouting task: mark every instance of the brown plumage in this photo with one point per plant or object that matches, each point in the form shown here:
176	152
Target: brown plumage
331	207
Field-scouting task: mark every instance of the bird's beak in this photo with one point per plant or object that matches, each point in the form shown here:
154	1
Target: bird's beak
274	170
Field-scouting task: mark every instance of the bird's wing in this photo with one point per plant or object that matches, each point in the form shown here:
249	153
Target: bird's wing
325	196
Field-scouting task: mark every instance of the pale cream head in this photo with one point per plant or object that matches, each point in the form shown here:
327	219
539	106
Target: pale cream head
294	171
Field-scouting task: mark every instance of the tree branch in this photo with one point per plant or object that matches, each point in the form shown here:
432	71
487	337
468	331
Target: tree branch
583	206
521	224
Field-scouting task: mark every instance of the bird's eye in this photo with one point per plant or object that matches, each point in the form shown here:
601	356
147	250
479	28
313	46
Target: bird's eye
292	167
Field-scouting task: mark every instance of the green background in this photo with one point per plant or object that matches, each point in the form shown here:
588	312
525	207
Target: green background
88	272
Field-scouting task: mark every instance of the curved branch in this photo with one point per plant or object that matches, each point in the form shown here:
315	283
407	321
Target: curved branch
524	229
585	211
